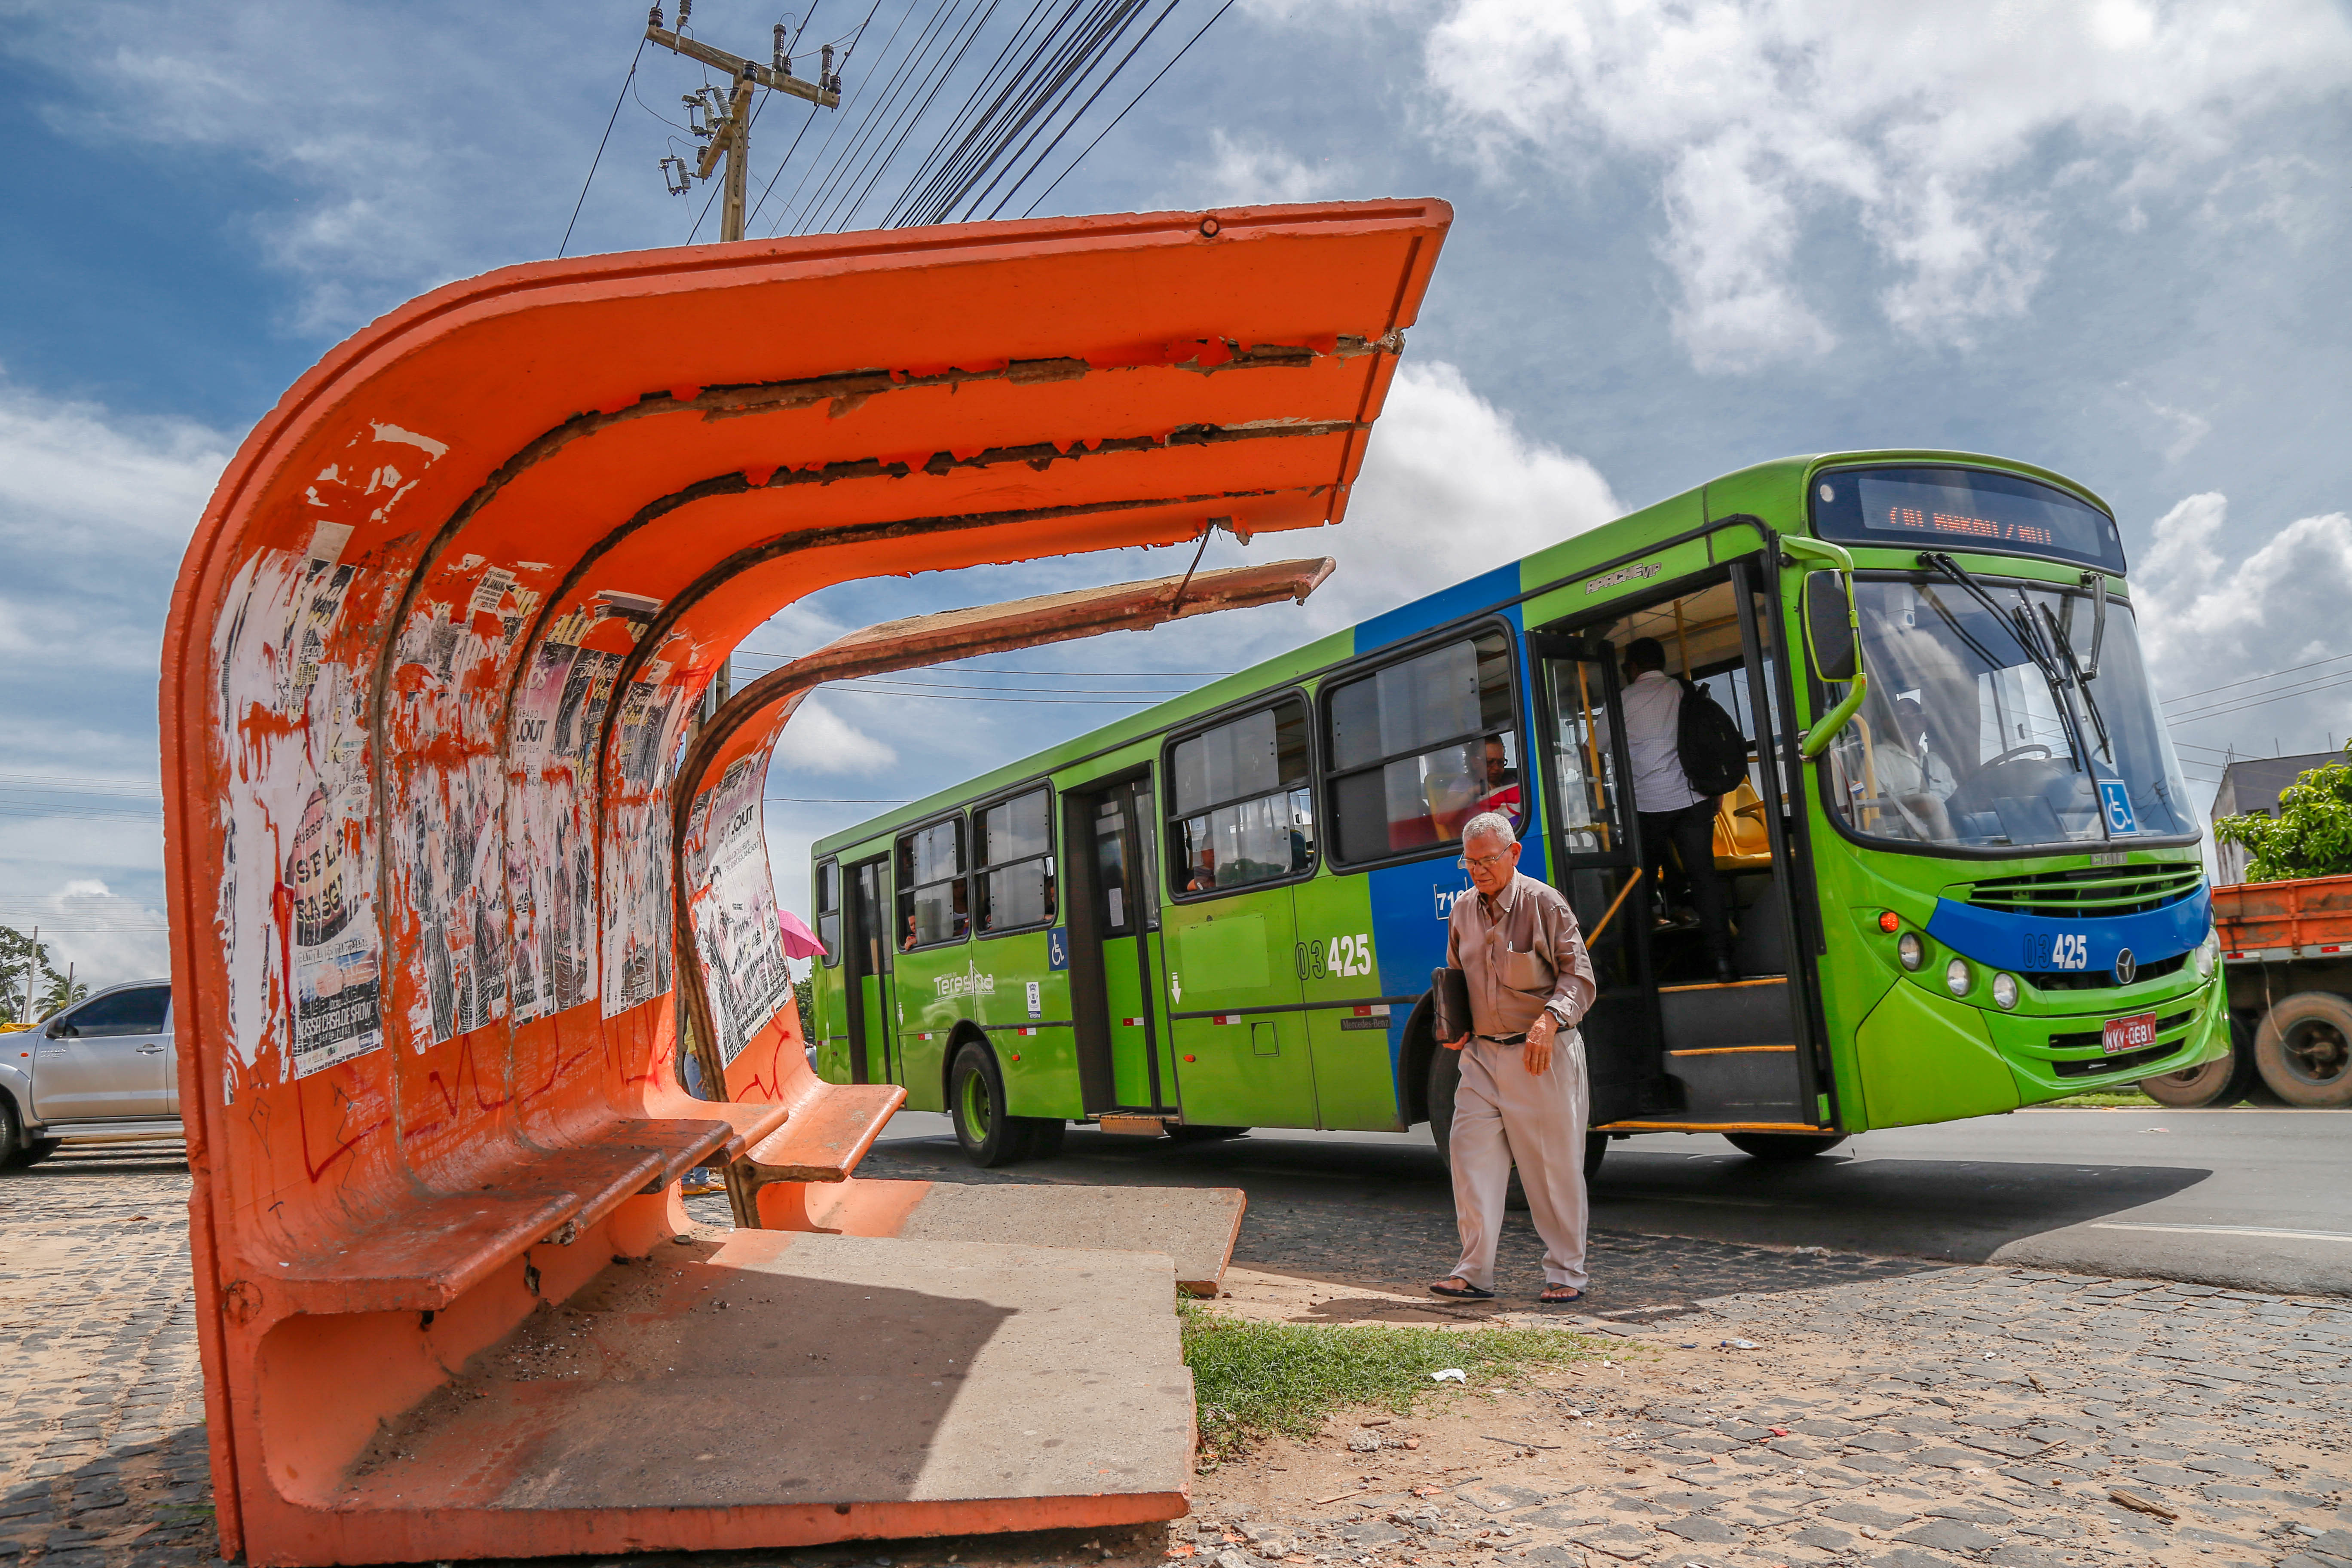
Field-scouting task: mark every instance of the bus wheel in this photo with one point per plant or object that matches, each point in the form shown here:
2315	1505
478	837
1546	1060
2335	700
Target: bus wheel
2304	1050
1596	1144
1783	1146
2223	1081
1202	1132
976	1101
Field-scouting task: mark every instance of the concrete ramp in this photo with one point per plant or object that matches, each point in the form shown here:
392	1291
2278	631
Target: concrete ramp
971	1386
1195	1226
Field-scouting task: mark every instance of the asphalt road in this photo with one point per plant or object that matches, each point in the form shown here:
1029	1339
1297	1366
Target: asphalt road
2245	1199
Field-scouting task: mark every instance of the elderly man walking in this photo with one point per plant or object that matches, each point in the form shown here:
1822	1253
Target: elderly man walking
1523	1095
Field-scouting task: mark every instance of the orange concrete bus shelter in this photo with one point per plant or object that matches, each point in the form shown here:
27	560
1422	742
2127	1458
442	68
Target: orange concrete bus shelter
432	655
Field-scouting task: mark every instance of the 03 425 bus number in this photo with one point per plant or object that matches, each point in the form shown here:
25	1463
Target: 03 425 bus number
1342	955
2064	949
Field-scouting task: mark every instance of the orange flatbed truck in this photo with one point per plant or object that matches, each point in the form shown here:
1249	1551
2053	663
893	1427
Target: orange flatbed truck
2287	949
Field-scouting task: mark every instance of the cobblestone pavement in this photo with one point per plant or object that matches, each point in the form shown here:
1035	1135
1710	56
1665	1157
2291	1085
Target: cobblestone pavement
1934	1417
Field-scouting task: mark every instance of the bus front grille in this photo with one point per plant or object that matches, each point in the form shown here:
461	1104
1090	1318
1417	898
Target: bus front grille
2172	1023
2103	979
2090	890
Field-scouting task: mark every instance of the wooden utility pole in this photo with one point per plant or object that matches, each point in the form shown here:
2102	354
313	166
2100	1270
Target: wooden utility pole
730	130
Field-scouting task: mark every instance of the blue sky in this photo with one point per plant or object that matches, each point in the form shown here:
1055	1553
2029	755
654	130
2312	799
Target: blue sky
2107	237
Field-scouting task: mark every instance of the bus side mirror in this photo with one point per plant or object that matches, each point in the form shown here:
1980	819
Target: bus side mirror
1830	626
1832	636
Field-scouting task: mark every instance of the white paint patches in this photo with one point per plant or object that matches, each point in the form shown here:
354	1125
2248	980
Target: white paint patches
426	444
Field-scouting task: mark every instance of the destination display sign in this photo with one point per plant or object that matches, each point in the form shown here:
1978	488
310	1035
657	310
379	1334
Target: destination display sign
1963	509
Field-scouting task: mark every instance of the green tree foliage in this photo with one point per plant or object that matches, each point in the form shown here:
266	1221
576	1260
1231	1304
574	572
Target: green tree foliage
18	989
61	991
804	994
2310	837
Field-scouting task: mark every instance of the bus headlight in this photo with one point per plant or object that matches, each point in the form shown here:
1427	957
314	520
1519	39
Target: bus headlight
1911	950
2004	989
2209	955
1956	978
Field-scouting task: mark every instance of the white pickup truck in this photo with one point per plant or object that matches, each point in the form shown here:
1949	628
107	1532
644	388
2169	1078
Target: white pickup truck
101	1072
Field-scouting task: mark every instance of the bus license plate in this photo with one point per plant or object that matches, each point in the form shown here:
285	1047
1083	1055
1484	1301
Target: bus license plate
2129	1034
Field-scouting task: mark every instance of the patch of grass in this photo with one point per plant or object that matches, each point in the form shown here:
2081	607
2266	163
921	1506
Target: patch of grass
2102	1100
1255	1379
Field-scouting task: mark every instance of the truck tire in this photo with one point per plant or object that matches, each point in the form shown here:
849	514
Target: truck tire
2224	1080
991	1135
1783	1146
1444	1075
2304	1050
11	1133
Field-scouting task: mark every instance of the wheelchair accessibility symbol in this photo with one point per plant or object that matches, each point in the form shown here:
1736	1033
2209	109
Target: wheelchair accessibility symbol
1057	948
2114	798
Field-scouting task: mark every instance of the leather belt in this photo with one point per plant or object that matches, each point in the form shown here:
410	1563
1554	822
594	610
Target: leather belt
1518	1039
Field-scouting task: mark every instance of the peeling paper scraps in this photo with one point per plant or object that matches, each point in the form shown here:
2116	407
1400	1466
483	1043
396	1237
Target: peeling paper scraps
431	448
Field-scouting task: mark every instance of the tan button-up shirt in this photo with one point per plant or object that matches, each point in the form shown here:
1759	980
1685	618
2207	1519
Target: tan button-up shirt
1522	953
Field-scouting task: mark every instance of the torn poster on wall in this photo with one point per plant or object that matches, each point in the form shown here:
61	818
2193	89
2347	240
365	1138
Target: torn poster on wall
732	903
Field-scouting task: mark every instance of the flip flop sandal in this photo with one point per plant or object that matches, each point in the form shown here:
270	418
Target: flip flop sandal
1467	1292
1549	1300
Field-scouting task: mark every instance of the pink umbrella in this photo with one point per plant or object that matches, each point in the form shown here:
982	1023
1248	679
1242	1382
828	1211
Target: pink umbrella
799	940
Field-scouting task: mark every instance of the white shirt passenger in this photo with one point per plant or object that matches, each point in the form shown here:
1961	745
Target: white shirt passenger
1653	711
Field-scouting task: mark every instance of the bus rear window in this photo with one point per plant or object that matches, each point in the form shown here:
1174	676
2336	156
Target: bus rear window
933	904
1921	508
828	910
1421	747
1242	809
1013	864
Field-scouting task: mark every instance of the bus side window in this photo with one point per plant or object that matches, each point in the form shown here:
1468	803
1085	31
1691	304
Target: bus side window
933	904
1013	860
828	910
1421	747
1240	807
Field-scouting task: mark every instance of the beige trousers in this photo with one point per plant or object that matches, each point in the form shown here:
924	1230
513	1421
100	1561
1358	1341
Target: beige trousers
1504	1115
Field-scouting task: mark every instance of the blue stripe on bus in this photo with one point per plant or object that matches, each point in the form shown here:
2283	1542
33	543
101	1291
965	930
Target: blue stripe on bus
2025	942
1445	605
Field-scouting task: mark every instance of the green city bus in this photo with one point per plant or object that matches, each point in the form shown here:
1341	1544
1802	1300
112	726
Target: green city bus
1964	863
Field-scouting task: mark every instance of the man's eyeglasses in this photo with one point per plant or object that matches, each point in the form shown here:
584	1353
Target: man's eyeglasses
1486	862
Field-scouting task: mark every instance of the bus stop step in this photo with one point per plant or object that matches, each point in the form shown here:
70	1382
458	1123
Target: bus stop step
1195	1226
779	1388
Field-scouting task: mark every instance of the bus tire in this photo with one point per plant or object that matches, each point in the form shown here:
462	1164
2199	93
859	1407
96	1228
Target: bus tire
2222	1081
1596	1145
1784	1145
1203	1132
1444	1076
990	1136
2304	1050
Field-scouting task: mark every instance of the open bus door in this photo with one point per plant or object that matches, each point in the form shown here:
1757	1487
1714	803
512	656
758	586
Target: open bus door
1595	855
867	957
1115	958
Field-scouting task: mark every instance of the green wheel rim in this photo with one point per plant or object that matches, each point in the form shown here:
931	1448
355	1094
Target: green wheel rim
975	1107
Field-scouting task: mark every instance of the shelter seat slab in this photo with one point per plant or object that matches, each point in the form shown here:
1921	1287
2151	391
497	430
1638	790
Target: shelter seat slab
832	1128
422	1256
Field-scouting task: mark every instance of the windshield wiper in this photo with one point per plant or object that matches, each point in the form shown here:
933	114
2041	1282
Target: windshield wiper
2027	633
2082	683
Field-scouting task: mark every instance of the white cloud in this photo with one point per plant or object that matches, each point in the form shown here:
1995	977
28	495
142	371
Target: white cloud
819	740
2207	625
104	936
1928	122
1450	489
1244	171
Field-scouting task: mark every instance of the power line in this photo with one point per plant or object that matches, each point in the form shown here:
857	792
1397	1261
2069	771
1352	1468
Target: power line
875	131
2251	679
1102	87
1130	104
89	785
599	158
2312	689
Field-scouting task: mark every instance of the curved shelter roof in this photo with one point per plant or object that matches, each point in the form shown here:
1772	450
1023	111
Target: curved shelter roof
437	638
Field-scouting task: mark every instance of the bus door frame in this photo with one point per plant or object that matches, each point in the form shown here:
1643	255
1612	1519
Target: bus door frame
1089	993
853	950
1753	577
1647	1091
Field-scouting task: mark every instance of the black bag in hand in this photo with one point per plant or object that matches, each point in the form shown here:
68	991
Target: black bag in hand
1449	1004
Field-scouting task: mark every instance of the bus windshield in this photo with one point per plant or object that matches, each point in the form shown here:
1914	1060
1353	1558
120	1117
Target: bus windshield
1971	737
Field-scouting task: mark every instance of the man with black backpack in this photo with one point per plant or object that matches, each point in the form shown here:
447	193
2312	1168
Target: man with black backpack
1682	756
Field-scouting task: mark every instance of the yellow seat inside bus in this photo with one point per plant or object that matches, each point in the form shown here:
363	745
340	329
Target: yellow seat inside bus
1741	842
